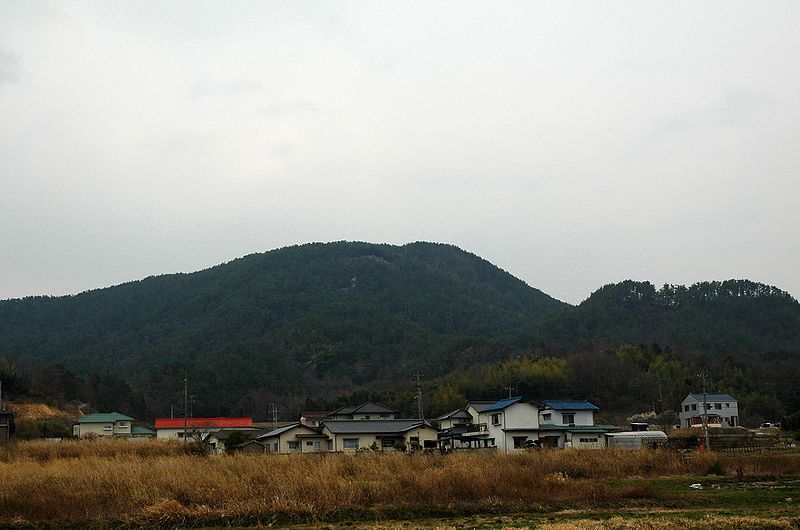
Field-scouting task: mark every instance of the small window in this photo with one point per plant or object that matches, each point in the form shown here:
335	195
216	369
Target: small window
388	442
350	443
686	408
294	446
330	445
310	444
106	427
727	405
519	442
589	440
694	406
367	417
547	417
495	419
275	447
718	406
568	419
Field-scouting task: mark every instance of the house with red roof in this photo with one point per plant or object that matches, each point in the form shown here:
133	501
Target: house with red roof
198	428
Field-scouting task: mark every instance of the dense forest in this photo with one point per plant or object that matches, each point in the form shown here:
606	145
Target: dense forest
317	325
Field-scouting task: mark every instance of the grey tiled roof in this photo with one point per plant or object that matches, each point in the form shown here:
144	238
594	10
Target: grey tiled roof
281	430
456	414
712	397
373	426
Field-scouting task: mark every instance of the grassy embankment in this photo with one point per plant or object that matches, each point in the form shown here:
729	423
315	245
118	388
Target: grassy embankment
81	483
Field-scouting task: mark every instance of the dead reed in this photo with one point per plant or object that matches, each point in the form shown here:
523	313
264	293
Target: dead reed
155	485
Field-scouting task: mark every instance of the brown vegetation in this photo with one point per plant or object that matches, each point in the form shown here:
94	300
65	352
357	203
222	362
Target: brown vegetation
154	483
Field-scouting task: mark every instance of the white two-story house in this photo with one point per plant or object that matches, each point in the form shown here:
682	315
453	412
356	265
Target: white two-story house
510	423
722	410
571	424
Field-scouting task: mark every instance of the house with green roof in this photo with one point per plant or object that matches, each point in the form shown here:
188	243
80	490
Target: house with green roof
107	424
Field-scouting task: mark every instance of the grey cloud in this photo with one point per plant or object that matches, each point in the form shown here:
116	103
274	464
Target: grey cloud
292	107
236	87
10	68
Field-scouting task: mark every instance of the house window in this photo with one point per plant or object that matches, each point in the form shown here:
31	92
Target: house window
310	444
350	443
495	419
330	445
694	406
568	419
519	442
294	446
727	405
718	406
275	447
367	417
708	406
686	408
106	427
588	440
547	417
388	442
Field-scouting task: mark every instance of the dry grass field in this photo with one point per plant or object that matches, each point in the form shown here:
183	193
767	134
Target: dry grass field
154	483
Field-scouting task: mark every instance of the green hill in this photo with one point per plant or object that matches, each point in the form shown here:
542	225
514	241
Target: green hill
321	316
719	318
307	325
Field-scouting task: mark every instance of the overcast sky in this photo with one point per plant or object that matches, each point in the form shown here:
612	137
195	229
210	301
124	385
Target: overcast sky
572	144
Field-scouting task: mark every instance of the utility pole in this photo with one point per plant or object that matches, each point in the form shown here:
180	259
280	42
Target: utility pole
705	411
186	406
274	415
510	390
171	410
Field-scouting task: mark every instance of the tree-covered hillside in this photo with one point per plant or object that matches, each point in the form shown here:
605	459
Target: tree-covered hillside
322	316
313	325
719	318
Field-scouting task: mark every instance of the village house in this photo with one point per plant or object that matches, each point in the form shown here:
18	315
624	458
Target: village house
313	419
295	438
216	442
722	410
571	424
6	426
104	424
454	418
198	428
511	423
379	435
365	411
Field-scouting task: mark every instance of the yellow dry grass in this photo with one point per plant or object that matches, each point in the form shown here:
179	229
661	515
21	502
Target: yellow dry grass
157	483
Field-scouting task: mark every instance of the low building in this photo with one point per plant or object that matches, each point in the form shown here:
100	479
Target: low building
365	411
6	426
103	424
379	435
218	442
198	428
722	410
458	417
295	438
313	419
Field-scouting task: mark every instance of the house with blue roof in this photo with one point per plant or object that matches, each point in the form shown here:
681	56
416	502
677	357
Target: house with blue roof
570	423
510	424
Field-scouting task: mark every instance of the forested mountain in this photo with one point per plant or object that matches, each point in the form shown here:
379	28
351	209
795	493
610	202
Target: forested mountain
715	317
269	324
313	325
